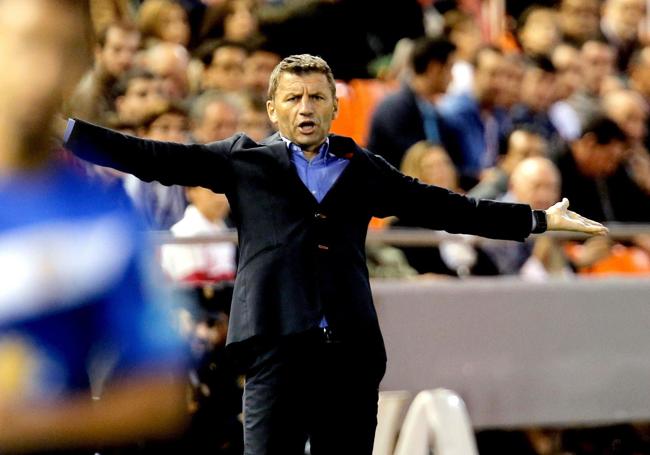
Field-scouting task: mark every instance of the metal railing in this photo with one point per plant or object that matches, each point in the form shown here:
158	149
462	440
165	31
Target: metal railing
407	236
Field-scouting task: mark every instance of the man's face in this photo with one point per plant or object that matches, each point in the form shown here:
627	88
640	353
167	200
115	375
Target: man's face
437	169
540	189
631	116
142	96
219	122
541	32
568	63
257	70
580	18
624	16
227	69
170	127
303	108
41	43
118	52
255	124
491	76
598	160
598	59
538	89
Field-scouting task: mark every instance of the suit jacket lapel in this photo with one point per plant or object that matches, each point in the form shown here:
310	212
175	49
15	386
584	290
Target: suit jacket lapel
278	148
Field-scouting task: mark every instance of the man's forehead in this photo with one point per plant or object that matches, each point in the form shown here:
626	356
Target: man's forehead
292	81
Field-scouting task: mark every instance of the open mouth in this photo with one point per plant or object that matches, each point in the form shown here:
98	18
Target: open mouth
306	127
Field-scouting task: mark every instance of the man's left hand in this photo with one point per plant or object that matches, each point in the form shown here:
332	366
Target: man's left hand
559	218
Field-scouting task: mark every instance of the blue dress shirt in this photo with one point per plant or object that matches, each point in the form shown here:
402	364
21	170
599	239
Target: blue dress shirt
318	174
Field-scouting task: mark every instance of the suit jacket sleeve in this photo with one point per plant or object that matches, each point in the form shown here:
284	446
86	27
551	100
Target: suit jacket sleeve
418	204
166	162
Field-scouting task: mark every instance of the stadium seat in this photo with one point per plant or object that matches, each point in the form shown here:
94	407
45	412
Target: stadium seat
389	418
437	419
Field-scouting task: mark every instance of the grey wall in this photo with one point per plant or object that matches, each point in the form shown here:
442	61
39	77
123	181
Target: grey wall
521	353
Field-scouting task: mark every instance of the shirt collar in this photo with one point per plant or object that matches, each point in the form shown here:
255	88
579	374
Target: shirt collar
323	150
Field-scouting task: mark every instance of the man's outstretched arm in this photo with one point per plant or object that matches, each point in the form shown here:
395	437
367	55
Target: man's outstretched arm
169	163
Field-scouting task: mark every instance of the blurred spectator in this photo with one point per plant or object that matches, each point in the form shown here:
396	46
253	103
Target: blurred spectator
534	181
513	74
472	131
567	60
579	20
214	116
431	164
538	32
201	264
224	67
117	45
136	94
106	12
258	67
86	356
462	30
163	20
239	20
409	115
522	143
170	63
597	66
620	25
630	112
537	96
253	120
161	206
594	178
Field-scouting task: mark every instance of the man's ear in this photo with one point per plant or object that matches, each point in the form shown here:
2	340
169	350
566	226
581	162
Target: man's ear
270	110
335	112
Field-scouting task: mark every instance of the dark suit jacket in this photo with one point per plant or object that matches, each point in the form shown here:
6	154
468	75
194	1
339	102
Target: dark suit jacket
300	259
396	125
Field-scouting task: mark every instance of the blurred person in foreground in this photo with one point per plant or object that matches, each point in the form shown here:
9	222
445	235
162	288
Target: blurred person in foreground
302	322
86	358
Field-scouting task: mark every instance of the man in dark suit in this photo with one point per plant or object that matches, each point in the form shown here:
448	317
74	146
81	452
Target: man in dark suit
302	312
409	115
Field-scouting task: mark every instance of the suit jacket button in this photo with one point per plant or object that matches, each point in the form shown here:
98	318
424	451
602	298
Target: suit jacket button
319	216
323	247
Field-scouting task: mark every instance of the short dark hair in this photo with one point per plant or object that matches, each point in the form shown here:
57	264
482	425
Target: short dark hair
167	108
605	130
301	64
122	85
427	50
205	52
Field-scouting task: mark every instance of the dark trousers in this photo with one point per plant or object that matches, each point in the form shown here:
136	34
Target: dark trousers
306	387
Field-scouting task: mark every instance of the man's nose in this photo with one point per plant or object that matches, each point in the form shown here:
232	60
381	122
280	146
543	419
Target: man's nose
306	105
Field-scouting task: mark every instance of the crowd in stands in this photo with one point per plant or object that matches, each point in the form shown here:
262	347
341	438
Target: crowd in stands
554	106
